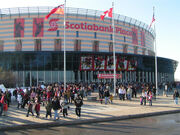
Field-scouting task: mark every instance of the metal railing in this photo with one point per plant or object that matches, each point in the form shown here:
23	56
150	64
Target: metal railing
70	10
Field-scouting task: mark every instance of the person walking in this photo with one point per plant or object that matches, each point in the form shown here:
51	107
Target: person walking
37	106
25	99
106	95
144	96
101	94
166	90
48	106
176	96
15	93
8	97
154	92
56	106
78	103
134	92
120	93
2	101
123	93
65	106
150	98
111	98
19	100
30	108
5	108
129	93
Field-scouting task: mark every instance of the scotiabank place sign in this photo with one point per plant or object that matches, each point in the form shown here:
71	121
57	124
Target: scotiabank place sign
95	27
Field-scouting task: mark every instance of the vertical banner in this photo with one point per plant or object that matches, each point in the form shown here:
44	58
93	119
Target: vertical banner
1	45
38	27
132	64
109	63
99	62
19	27
134	36
122	64
86	63
143	38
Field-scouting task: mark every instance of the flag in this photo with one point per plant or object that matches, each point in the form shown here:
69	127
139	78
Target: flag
56	10
109	12
103	15
153	19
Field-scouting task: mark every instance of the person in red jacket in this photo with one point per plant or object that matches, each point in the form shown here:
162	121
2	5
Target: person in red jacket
2	103
49	94
5	108
37	106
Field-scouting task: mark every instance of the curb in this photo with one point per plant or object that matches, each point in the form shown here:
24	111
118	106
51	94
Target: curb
85	121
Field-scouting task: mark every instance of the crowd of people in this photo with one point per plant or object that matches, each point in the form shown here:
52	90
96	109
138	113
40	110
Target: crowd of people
127	92
54	97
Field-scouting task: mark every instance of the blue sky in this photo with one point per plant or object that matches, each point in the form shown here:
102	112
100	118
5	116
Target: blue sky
166	14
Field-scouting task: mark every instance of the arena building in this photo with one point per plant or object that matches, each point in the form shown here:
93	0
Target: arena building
32	47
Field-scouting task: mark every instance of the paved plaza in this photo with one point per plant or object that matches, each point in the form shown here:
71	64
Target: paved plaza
92	111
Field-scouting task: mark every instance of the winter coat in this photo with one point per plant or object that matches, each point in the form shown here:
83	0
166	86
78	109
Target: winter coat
78	102
129	91
175	95
48	106
37	107
30	106
19	99
2	100
106	94
5	107
56	104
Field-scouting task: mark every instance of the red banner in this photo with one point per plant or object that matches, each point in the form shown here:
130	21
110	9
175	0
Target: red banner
19	27
99	63
38	27
110	63
122	64
105	63
143	38
108	76
126	64
134	36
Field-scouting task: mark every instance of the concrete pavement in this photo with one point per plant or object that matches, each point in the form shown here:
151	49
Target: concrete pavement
92	111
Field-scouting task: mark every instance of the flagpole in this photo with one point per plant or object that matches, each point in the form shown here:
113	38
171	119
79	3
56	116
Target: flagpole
155	50
64	45
157	92
114	51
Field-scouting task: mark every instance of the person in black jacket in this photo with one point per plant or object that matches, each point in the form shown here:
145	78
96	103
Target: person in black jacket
78	103
56	106
25	99
30	108
176	96
154	92
101	94
106	95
